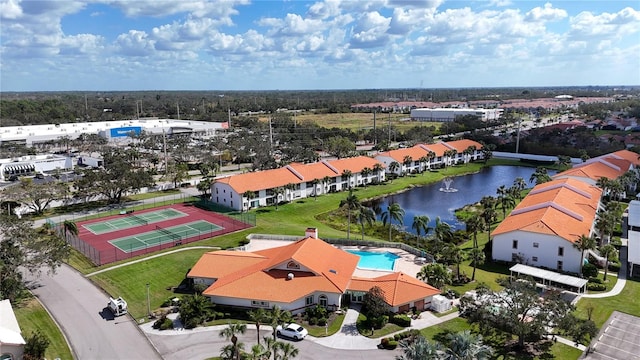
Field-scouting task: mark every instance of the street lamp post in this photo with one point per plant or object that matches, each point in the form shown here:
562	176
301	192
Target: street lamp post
148	302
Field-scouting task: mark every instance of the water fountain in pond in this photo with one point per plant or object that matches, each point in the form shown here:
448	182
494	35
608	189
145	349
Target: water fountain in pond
447	185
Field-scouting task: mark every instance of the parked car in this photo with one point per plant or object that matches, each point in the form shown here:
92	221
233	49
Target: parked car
292	331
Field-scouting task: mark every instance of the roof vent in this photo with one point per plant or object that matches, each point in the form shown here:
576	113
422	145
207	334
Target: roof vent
290	276
311	232
333	271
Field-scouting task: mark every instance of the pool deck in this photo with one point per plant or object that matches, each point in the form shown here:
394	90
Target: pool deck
405	262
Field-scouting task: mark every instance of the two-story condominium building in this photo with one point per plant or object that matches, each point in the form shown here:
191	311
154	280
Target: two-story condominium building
542	229
633	235
609	166
422	157
295	181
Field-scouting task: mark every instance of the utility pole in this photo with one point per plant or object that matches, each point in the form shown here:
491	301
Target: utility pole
375	135
178	107
389	144
518	136
270	134
148	302
166	161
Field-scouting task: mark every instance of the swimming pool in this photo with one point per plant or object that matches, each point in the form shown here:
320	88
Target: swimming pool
375	260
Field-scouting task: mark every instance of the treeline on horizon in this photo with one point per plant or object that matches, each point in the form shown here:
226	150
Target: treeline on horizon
33	108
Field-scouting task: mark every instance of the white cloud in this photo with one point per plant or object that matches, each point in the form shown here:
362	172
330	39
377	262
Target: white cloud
546	13
135	43
587	24
10	9
370	31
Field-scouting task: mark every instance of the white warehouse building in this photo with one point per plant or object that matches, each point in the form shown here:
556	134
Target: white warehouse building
449	114
112	130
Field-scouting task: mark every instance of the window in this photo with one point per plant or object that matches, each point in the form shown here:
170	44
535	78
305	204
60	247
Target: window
264	304
534	258
536	245
560	251
292	265
560	265
322	299
514	245
308	300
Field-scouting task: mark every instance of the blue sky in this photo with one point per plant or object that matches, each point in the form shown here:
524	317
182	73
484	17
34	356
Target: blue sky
63	45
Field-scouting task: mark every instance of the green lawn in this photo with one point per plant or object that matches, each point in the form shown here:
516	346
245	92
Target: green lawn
160	273
321	331
601	309
389	328
32	317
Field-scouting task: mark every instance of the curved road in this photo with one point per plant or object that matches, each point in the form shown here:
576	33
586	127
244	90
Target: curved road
79	308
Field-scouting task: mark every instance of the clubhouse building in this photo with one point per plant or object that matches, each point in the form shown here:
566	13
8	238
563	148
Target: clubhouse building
300	275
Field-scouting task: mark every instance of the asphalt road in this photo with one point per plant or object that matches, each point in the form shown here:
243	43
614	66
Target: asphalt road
79	307
207	344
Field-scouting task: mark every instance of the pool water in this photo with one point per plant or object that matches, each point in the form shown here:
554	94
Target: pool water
375	260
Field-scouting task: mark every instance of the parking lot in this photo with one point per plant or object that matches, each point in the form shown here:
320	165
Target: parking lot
619	339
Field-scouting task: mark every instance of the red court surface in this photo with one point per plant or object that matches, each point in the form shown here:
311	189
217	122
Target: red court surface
97	247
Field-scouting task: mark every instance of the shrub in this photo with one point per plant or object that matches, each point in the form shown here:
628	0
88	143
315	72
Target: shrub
36	345
379	322
596	287
391	345
614	267
313	321
163	323
589	270
401	320
384	342
595	280
322	321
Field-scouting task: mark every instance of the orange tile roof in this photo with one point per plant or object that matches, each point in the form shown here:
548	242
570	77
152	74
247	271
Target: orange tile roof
296	173
354	164
216	264
564	207
416	152
608	168
330	272
630	156
259	180
399	288
437	148
462	145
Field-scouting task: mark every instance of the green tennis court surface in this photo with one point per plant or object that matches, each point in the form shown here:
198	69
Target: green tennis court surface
127	221
162	236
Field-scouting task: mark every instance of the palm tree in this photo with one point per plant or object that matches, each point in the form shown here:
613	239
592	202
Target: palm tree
443	233
325	182
423	163
466	346
276	317
69	227
315	183
365	172
455	255
229	333
228	351
378	169
419	349
420	223
346	176
609	252
505	200
394	166
365	215
584	243
435	274
488	213
394	212
270	345
540	176
477	258
351	202
474	224
288	351
520	184
258	316
406	161
430	157
249	195
277	192
259	352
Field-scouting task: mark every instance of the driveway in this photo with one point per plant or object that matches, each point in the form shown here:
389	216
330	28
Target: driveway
79	308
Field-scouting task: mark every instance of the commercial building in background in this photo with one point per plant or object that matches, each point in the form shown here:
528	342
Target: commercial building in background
449	114
31	135
30	165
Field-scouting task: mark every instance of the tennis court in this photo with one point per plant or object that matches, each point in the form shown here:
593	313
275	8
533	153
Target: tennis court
161	236
128	220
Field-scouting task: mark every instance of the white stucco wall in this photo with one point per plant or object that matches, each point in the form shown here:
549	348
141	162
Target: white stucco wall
223	194
546	252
